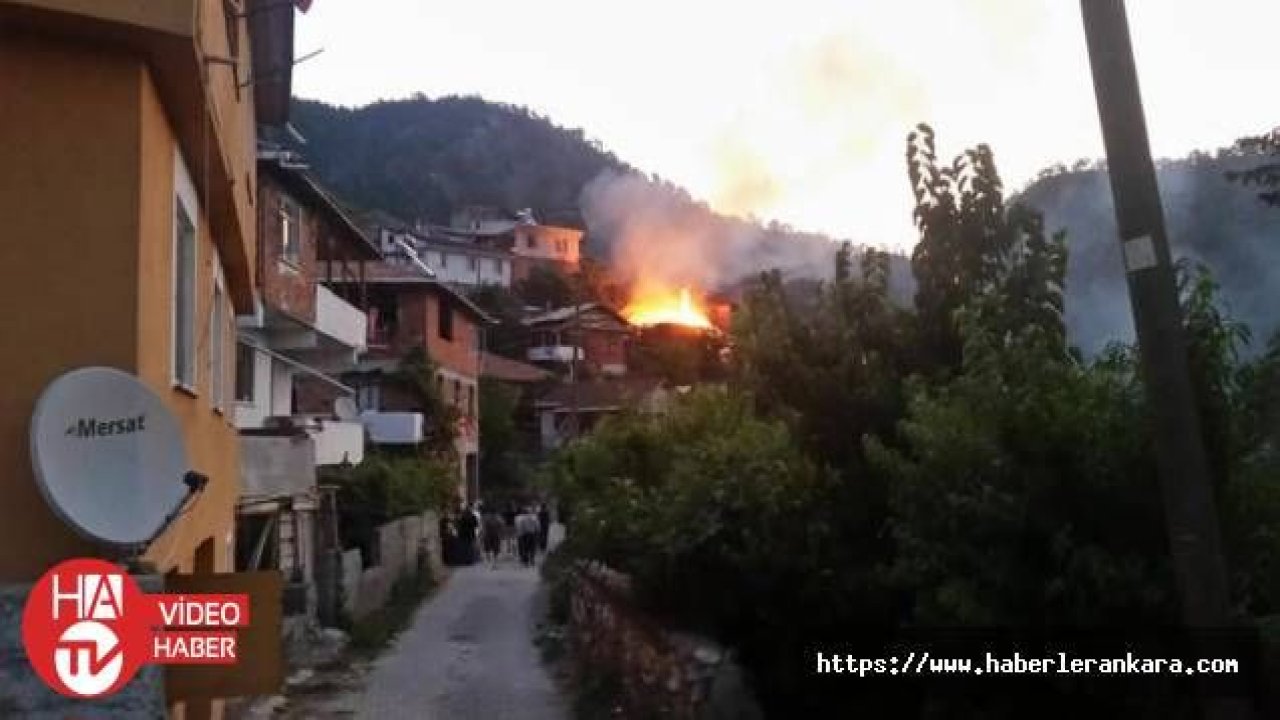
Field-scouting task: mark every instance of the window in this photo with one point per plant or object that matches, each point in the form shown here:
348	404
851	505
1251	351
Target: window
217	351
457	393
184	296
471	401
446	320
290	231
368	397
245	362
471	263
530	241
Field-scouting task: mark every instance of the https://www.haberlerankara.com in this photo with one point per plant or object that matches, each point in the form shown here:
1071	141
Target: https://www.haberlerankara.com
923	663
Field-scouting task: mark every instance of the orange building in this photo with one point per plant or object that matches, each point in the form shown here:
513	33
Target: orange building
127	177
408	309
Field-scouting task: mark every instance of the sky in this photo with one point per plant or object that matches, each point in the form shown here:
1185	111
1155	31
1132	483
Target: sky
798	111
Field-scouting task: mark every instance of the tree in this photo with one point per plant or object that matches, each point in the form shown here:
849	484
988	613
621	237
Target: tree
502	460
972	245
416	376
547	287
1266	176
508	337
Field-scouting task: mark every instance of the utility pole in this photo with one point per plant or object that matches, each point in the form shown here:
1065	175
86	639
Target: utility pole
1190	513
576	340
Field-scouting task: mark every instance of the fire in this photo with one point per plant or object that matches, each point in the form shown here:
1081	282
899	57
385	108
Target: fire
665	308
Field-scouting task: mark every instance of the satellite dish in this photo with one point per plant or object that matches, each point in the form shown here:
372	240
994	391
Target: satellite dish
345	409
108	455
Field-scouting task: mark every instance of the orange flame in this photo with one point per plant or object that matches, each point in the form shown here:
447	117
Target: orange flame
665	308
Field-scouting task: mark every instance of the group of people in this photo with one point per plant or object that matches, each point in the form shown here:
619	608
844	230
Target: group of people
518	533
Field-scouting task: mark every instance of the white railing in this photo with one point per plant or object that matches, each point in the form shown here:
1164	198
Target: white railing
339	441
553	353
339	319
393	428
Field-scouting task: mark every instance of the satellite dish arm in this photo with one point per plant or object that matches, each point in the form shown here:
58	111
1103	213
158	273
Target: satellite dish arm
195	482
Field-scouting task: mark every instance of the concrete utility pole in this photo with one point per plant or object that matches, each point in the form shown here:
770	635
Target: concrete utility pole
1190	513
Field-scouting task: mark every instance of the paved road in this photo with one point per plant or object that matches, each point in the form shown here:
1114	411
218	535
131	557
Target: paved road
468	654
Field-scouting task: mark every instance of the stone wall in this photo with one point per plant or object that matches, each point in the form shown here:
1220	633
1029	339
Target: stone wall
24	695
404	547
663	673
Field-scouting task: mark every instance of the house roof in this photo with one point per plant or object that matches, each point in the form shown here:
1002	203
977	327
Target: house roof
307	189
460	246
598	395
566	314
512	371
382	273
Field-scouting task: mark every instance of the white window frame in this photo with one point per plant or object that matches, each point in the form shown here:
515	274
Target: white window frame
291	254
186	200
217	340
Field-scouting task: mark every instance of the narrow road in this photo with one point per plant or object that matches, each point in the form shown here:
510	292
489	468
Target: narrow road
468	654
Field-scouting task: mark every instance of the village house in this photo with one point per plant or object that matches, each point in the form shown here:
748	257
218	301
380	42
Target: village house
535	245
569	409
409	309
294	415
127	188
483	245
452	260
597	334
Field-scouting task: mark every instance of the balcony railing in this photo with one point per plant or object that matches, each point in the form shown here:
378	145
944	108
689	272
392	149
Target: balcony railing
339	319
339	442
393	428
553	353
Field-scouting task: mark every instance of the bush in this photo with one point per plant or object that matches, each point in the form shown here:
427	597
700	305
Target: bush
385	487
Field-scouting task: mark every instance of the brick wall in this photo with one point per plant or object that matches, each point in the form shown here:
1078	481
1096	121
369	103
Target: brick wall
458	354
286	286
604	348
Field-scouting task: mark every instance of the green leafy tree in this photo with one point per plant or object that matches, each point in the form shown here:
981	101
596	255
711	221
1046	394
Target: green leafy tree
508	337
546	286
972	245
416	376
1265	176
502	459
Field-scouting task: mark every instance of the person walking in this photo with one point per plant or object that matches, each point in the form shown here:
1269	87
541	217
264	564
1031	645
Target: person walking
491	531
509	536
527	536
544	526
467	528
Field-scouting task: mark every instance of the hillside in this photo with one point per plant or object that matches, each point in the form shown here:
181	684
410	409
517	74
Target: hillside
419	158
1209	220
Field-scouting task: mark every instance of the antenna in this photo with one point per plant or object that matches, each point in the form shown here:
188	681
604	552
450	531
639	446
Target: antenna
109	457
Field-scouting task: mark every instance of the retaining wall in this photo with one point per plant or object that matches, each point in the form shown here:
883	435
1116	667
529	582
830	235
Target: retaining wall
663	673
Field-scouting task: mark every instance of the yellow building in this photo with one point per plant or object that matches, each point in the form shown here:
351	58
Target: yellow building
127	177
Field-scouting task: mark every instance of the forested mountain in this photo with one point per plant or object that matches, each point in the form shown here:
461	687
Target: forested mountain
418	158
1210	220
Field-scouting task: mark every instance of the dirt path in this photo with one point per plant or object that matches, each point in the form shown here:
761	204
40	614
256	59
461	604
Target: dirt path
468	654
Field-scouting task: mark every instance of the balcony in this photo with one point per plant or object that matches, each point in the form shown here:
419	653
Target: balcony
393	428
339	319
277	465
339	441
553	353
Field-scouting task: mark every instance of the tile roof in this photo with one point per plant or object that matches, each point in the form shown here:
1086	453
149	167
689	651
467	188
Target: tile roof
508	370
